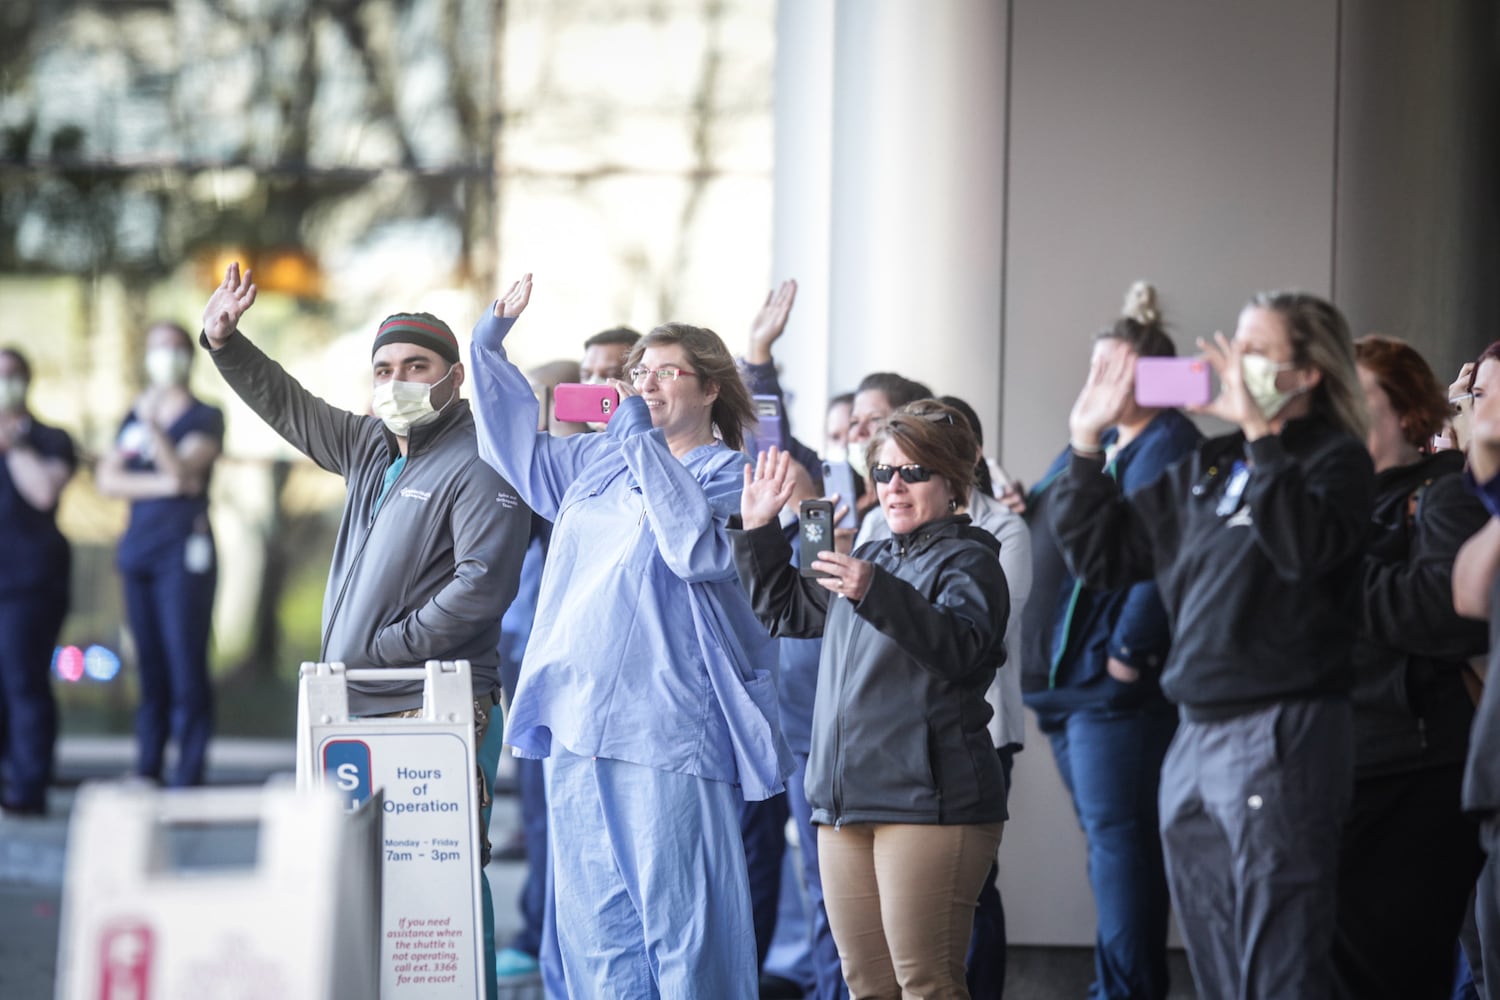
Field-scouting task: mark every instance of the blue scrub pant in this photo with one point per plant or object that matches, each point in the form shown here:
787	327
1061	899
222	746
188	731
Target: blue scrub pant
825	952
650	885
1252	808
170	611
1110	763
28	713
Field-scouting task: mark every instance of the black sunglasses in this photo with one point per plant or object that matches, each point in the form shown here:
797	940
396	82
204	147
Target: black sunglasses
909	473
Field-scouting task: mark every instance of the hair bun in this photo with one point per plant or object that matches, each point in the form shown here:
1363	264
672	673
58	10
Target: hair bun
1140	304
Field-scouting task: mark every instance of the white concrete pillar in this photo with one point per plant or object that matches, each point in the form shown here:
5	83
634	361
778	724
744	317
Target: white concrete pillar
889	194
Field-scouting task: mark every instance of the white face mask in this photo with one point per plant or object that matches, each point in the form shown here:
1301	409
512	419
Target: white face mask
404	405
167	366
858	460
12	393
1260	381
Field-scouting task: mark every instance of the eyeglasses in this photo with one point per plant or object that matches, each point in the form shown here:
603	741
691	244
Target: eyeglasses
666	373
909	473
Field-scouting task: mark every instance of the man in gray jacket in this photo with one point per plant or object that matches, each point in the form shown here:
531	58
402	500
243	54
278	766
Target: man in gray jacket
430	545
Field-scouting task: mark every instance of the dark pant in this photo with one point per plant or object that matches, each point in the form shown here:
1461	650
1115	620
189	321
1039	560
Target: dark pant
1252	809
1487	908
985	963
763	829
1111	763
1407	865
28	713
487	743
170	611
825	953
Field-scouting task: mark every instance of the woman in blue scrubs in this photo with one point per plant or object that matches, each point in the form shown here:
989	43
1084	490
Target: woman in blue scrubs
36	462
161	463
646	681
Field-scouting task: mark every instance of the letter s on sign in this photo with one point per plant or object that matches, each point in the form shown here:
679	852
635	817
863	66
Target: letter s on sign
347	776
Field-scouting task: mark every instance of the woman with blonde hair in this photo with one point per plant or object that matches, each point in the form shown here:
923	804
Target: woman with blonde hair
1255	543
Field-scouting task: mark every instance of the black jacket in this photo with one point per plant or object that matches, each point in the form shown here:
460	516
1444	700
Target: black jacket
899	721
1482	773
1261	583
1070	632
1411	709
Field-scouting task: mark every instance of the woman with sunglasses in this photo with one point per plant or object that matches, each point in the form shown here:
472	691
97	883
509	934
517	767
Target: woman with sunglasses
645	684
903	777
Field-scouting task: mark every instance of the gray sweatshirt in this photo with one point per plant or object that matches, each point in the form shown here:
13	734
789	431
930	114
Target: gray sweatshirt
429	573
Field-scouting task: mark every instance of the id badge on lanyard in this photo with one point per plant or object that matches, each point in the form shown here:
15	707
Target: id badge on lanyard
1234	490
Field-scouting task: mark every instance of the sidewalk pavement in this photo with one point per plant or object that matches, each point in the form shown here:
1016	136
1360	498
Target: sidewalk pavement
33	850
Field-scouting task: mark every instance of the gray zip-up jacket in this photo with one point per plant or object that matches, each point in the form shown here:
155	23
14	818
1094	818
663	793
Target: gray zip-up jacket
429	573
899	721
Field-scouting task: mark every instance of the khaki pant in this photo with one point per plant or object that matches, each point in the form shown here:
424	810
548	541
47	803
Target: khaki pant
901	900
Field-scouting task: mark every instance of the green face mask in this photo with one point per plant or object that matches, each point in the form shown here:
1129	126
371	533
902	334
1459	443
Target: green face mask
1260	381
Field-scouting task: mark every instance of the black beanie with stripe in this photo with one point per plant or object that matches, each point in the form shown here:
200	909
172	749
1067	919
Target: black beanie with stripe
422	329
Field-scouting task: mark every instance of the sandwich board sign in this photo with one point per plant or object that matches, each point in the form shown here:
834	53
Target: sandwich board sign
217	893
432	924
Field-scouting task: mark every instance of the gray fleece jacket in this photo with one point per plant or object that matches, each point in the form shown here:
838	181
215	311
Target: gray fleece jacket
429	573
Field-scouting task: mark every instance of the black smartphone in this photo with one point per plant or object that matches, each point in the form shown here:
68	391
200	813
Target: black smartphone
814	533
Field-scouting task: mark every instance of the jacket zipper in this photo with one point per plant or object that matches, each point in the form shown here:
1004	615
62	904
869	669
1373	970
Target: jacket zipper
838	754
359	555
838	748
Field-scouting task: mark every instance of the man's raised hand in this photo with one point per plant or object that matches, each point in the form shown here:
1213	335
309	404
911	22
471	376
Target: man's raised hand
235	295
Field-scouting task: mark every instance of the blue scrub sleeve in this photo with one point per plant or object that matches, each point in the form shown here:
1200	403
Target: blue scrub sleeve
689	516
541	467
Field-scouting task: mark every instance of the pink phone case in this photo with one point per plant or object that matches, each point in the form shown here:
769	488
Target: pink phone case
1173	382
578	403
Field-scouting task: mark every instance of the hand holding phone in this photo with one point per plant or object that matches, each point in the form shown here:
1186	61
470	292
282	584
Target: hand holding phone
767	434
1162	382
582	403
814	534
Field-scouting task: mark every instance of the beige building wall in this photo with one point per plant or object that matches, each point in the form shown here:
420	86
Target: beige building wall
999	173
